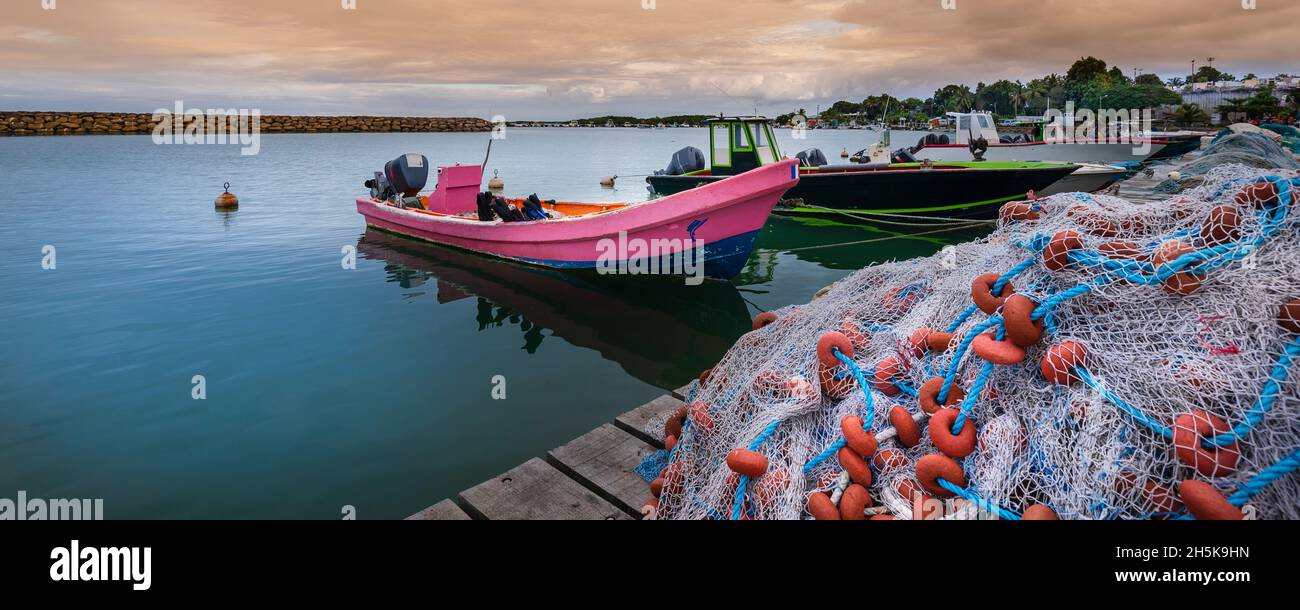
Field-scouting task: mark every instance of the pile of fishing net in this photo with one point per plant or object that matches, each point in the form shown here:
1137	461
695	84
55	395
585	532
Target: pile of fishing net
1252	149
1093	358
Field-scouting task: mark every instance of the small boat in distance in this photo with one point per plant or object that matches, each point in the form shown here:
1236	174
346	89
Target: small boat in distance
705	232
972	190
976	129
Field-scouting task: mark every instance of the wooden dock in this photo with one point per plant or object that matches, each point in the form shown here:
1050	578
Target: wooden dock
591	477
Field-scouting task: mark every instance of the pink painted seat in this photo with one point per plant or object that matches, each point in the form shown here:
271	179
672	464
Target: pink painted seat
457	189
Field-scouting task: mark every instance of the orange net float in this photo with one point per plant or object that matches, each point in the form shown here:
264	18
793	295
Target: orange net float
670	442
981	292
822	508
771	486
673	475
704	376
1093	222
828	343
657	487
1120	250
1288	316
1214	461
854	502
900	300
835	388
857	467
700	418
673	426
1021	329
887	460
932	467
763	319
1257	195
859	440
1060	360
1183	282
928	395
1056	255
800	389
768	381
1038	512
858	339
1221	226
916	342
1017	211
748	463
1006	353
1155	497
905	427
952	445
1205	502
886	371
881	517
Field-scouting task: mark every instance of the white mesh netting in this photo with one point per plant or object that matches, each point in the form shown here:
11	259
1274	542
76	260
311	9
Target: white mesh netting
1161	385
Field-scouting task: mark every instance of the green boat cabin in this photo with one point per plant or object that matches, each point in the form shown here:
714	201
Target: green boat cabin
739	144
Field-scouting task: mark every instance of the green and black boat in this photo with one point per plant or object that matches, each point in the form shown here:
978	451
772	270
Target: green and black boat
972	189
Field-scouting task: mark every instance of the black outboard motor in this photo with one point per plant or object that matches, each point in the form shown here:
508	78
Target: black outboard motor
684	161
812	157
902	155
407	173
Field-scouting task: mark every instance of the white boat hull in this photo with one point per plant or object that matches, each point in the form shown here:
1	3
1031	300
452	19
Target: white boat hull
1089	178
1066	152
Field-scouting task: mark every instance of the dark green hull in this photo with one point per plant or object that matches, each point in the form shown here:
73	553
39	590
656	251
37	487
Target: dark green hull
974	190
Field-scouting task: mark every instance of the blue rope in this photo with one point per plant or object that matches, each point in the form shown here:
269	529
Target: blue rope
1267	396
980	502
739	504
1285	466
1133	412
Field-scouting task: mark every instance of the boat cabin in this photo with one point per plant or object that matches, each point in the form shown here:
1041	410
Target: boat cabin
972	125
740	143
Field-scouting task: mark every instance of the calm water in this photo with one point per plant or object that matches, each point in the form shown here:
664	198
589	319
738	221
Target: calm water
329	387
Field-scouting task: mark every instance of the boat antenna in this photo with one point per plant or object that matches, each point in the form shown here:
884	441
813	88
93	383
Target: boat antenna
483	168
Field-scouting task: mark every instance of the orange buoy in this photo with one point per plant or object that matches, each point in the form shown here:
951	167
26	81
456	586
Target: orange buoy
1257	195
1207	503
905	427
821	508
1056	255
1183	282
836	388
1014	211
860	340
828	343
932	467
674	475
704	376
746	462
1190	429
1120	250
853	464
854	502
1021	330
938	342
673	426
886	371
981	292
1038	512
858	439
763	319
952	445
882	517
700	418
916	342
928	395
226	199
1288	315
1060	360
769	487
888	459
1221	226
657	487
670	442
1092	221
987	346
800	389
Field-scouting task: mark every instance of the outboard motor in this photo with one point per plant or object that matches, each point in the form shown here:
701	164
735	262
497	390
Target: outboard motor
403	176
902	155
812	157
684	161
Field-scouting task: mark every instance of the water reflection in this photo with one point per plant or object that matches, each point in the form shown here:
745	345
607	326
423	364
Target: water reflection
658	329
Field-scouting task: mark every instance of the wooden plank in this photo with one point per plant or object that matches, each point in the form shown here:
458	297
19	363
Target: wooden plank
442	511
604	461
647	421
536	490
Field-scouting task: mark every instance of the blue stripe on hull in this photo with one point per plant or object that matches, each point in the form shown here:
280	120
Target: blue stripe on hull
723	259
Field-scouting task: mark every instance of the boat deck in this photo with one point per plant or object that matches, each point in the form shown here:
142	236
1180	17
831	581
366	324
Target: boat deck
592	477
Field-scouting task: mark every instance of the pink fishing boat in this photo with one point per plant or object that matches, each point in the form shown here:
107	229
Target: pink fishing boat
707	231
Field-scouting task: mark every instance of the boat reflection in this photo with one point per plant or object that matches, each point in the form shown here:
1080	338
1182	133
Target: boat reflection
658	329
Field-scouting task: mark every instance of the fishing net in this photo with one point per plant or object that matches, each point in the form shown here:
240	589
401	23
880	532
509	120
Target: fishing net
1250	149
1093	358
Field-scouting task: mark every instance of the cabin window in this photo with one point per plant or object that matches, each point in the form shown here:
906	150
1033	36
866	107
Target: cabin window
721	150
963	124
763	144
984	121
741	135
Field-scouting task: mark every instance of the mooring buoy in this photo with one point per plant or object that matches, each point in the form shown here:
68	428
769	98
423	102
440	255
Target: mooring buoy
844	153
227	199
496	183
608	182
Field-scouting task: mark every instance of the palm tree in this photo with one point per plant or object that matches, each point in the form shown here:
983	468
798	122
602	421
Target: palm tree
1188	114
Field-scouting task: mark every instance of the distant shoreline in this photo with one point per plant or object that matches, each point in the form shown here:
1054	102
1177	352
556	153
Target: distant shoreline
44	123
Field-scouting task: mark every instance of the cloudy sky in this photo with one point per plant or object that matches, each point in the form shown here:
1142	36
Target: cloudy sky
556	59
